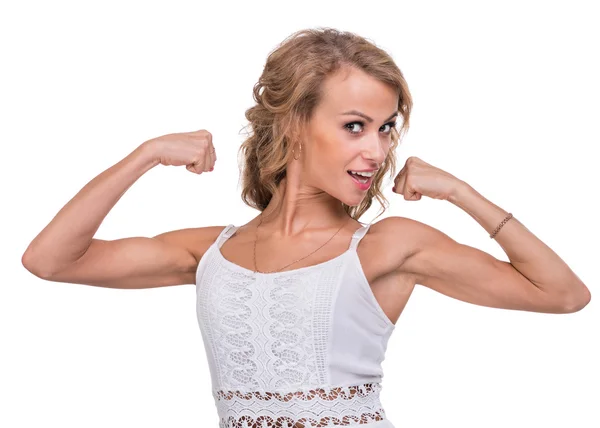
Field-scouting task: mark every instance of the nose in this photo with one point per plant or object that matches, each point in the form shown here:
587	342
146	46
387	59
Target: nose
374	149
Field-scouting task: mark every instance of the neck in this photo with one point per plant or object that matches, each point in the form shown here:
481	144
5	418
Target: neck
293	210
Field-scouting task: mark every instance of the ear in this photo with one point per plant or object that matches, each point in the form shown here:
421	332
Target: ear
294	136
301	132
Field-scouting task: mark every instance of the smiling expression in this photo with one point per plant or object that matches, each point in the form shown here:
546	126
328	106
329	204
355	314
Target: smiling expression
350	130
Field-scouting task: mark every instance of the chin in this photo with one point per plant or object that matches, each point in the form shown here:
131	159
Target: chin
352	202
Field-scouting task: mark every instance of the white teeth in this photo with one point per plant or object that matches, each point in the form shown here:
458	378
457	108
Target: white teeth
359	177
364	174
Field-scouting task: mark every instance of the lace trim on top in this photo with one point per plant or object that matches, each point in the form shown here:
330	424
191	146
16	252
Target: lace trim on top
305	408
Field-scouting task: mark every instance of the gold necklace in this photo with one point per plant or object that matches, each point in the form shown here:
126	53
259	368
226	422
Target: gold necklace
273	271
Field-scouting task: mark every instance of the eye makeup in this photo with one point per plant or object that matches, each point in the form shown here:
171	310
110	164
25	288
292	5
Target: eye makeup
392	124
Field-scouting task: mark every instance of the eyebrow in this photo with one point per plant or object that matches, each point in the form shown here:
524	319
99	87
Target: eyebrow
358	113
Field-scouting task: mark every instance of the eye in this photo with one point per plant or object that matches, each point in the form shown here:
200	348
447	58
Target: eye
348	126
391	125
353	124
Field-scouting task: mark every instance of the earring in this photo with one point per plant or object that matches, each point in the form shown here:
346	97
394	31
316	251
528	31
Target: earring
294	154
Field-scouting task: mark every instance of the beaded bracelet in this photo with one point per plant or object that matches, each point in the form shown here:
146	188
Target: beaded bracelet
508	217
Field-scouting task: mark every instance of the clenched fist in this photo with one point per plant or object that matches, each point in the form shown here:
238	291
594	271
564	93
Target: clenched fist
192	149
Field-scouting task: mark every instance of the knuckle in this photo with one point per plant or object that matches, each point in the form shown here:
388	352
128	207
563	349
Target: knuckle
206	136
201	135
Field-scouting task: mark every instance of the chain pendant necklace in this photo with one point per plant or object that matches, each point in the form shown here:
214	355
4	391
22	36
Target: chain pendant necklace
295	261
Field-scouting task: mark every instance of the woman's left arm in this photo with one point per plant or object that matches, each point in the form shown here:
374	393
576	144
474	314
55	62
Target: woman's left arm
526	252
536	279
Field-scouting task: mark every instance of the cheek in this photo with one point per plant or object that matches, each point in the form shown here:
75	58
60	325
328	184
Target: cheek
330	150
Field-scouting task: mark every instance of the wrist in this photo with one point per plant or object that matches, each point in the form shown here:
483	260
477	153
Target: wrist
147	154
461	190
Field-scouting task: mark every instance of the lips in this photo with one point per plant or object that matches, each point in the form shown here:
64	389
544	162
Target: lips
362	186
359	178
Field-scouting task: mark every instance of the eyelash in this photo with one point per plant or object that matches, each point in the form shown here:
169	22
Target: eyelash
392	125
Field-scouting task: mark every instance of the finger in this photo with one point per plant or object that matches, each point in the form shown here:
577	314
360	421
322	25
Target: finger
210	153
212	158
192	168
409	192
399	177
195	167
207	162
412	195
202	160
400	182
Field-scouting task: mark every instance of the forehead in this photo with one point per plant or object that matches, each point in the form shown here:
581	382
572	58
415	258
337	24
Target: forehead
351	88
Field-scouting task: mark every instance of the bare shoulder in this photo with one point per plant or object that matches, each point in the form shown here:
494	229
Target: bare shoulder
403	241
195	240
397	239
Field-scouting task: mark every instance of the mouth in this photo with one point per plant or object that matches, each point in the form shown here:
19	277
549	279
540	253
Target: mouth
362	182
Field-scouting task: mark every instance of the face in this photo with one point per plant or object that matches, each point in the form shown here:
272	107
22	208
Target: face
350	131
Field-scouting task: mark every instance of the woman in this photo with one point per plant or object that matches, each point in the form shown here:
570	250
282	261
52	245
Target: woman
296	307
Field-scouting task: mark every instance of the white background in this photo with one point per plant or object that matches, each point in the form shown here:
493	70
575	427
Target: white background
505	98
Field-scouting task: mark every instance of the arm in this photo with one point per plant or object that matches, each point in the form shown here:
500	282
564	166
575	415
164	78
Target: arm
140	262
536	279
66	251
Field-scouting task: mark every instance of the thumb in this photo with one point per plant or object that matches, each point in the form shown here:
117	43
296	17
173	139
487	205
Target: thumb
195	168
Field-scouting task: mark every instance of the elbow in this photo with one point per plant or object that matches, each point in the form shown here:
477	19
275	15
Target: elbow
33	266
27	262
577	301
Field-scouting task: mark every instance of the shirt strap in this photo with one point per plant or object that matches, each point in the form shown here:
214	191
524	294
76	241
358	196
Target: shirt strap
358	235
225	234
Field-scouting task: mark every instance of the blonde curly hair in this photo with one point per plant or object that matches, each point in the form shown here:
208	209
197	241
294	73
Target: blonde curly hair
286	95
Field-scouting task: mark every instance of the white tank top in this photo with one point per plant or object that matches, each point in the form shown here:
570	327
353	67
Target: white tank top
301	346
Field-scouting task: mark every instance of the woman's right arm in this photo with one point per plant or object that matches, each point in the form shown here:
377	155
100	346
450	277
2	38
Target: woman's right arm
66	251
